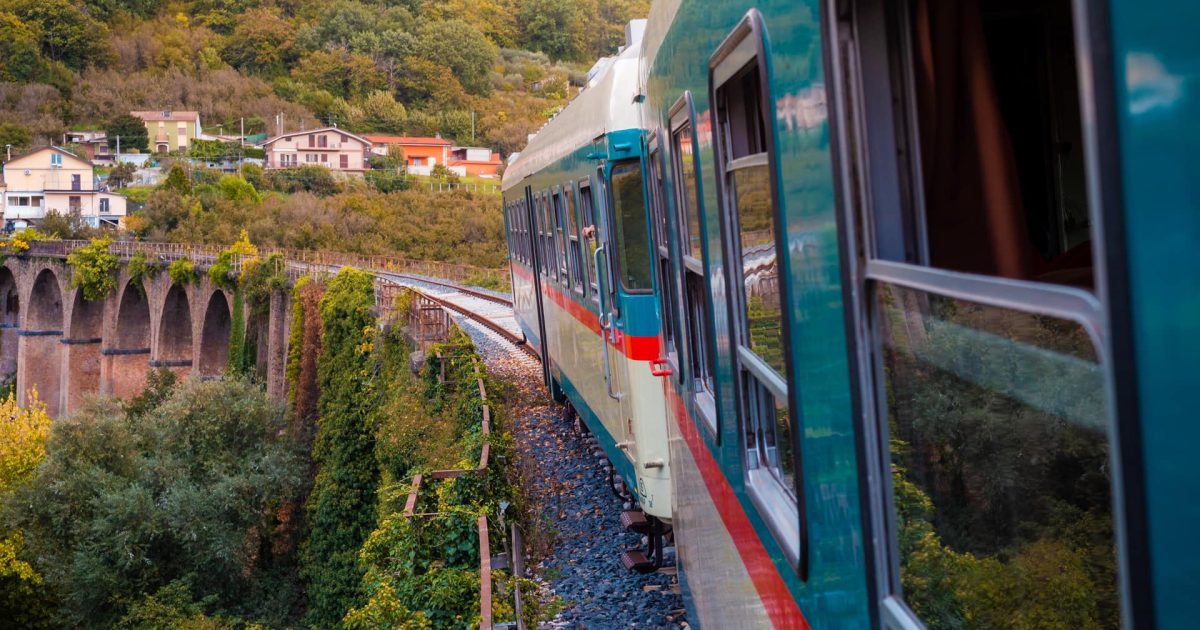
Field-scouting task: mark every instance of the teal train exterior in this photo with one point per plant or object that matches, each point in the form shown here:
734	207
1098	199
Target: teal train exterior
906	335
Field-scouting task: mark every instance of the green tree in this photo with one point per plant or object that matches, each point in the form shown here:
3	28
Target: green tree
340	73
381	112
121	175
462	48
549	26
263	42
341	507
131	130
126	504
20	54
14	134
94	268
178	180
66	32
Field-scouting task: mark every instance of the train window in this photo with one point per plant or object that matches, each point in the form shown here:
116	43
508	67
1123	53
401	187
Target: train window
667	286
629	215
747	195
696	316
989	396
560	240
588	215
548	213
576	249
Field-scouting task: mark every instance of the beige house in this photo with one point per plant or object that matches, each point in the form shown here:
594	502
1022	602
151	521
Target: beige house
170	131
333	148
50	178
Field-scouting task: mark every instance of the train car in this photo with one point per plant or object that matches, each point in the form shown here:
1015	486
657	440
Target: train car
931	308
583	288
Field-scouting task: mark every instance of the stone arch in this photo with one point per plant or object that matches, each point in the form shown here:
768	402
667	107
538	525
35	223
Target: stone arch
40	353
10	322
175	332
214	336
130	350
82	348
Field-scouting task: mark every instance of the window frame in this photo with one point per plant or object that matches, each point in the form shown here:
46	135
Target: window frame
701	365
665	282
784	515
575	265
617	247
588	218
882	221
561	241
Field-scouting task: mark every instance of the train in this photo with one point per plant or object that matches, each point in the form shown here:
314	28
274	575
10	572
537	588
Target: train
888	313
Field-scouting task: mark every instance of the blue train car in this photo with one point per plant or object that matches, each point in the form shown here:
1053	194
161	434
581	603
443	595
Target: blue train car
929	309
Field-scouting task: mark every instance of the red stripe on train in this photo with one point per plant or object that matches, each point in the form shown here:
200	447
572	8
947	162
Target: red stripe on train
633	347
776	598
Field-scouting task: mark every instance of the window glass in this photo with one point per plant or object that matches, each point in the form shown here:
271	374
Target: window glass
687	186
559	240
589	220
760	268
1000	465
667	299
633	251
576	249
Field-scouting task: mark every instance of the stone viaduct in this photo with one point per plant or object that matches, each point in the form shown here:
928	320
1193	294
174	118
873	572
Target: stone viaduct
66	347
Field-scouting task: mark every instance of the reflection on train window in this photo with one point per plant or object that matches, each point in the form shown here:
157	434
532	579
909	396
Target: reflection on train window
688	189
749	207
629	213
560	227
697	321
1000	465
576	251
667	285
1001	150
589	220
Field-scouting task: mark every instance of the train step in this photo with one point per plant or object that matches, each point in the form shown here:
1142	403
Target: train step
635	521
635	560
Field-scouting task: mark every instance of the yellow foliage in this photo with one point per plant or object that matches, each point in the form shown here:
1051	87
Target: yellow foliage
23	433
248	253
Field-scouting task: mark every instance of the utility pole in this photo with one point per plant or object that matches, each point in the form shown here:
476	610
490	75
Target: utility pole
8	152
242	131
118	149
472	126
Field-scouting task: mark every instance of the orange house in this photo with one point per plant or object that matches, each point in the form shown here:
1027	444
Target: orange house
420	154
474	161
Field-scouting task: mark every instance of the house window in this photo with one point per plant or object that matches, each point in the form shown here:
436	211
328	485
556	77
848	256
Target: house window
324	158
322	141
344	160
312	140
310	158
36	202
103	206
76	182
55	160
748	201
75	203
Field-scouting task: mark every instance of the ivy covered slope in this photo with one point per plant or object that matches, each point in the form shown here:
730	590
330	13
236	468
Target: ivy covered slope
409	66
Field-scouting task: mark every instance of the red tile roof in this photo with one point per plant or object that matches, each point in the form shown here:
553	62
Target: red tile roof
408	140
155	116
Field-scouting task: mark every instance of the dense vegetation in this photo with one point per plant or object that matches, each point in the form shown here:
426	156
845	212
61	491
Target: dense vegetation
201	206
414	66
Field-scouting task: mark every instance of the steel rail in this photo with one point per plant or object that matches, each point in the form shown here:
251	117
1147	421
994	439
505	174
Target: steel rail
518	341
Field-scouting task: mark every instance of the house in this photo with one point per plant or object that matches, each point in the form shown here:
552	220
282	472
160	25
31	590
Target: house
92	144
170	131
51	178
334	148
475	161
420	154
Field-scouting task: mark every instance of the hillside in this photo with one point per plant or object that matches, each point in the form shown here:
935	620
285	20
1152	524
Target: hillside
417	67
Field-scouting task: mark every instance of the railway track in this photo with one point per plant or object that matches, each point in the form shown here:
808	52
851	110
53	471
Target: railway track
492	312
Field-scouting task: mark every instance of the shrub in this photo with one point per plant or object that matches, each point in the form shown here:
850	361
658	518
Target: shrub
341	507
94	269
182	271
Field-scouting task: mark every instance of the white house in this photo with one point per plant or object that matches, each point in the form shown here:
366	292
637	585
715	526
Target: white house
51	178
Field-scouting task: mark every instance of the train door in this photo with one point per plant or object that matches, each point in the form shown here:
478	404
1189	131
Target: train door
536	265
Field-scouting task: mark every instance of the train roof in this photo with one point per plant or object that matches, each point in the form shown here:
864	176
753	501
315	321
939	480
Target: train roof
605	105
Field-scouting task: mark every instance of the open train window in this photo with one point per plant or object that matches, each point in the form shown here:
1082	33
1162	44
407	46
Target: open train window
588	213
697	319
667	286
986	413
748	196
